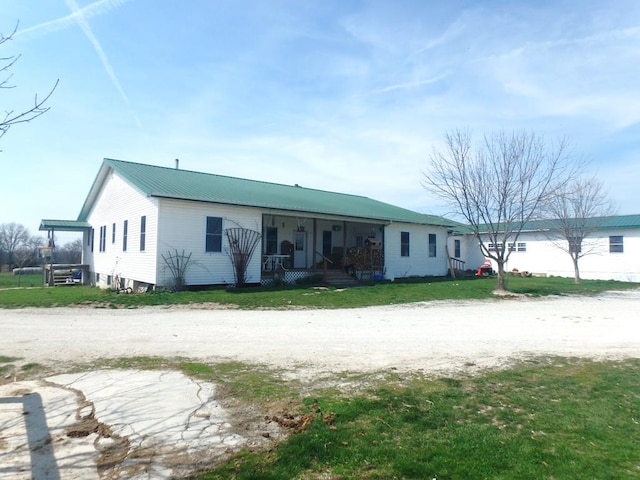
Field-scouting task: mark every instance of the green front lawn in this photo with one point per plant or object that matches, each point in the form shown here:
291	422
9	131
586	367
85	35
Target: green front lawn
418	290
561	419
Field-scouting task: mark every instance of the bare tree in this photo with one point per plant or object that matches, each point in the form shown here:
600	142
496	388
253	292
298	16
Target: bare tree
13	236
70	252
577	211
498	185
26	253
11	117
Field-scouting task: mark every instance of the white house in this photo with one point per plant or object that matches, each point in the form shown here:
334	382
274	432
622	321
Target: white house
611	252
136	215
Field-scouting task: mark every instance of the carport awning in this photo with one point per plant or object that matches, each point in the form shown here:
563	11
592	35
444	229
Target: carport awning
64	225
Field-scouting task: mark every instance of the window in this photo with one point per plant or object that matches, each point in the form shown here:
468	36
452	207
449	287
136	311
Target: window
92	234
522	246
213	237
404	244
272	241
575	244
143	232
113	233
359	241
432	244
125	234
616	244
456	249
103	238
494	247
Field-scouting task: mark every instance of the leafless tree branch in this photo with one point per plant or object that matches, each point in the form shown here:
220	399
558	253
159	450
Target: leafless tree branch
577	210
498	185
11	117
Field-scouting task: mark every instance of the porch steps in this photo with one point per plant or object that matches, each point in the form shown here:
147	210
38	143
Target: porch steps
339	278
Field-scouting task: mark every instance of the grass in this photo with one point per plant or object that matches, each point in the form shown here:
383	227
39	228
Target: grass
562	419
548	418
9	280
6	365
311	297
554	420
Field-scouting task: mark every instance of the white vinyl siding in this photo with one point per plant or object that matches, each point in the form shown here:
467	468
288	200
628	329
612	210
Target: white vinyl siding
119	201
183	226
541	255
418	263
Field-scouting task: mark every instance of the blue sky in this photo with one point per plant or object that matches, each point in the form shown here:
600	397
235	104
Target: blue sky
341	95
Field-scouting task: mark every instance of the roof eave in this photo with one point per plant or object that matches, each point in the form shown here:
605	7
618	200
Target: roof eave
63	225
101	176
294	210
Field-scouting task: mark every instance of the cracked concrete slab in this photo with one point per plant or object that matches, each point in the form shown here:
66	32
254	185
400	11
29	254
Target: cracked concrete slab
34	421
110	424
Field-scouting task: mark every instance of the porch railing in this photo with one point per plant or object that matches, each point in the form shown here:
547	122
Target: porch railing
324	265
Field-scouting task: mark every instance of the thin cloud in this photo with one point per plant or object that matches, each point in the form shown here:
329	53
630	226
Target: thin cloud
411	84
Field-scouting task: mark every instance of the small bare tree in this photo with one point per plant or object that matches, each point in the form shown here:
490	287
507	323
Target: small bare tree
11	117
242	245
576	212
498	185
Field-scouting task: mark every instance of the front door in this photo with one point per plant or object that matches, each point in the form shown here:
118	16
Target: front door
326	242
300	250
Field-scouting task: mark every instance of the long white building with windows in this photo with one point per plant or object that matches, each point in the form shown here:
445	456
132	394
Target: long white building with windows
610	252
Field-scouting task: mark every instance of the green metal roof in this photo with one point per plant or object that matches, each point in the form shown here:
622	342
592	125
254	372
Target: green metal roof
174	183
64	225
621	221
598	223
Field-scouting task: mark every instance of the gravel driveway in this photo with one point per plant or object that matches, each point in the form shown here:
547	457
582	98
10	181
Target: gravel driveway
160	424
438	337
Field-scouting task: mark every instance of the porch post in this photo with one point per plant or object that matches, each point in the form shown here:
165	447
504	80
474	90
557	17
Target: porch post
314	244
344	242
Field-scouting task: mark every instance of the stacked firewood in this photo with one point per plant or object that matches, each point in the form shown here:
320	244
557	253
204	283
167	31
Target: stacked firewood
363	258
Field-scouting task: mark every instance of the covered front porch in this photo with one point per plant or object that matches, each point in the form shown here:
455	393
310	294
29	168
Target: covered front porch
62	274
294	247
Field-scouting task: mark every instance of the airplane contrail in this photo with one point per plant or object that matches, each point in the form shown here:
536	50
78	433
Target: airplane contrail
88	11
79	16
81	20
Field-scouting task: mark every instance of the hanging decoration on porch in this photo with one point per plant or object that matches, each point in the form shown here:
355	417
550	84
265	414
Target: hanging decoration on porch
301	221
